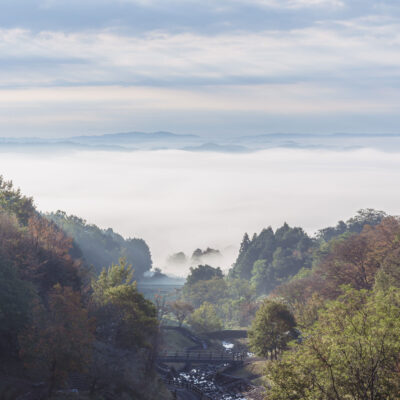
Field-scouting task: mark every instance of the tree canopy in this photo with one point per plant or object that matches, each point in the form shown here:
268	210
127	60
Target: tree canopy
351	353
272	258
271	328
102	247
203	273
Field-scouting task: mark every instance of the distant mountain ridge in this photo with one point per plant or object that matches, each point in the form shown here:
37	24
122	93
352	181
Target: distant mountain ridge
133	136
164	140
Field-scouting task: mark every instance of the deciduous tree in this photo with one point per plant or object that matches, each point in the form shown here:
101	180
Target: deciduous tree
59	340
270	328
205	319
351	353
181	310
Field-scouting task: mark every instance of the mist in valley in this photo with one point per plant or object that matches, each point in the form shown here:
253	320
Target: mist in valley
180	201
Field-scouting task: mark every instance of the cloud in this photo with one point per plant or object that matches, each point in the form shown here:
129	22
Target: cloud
288	58
180	201
325	52
295	4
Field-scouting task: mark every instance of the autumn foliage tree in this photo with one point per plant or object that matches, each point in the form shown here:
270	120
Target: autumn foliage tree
47	304
181	310
16	297
59	340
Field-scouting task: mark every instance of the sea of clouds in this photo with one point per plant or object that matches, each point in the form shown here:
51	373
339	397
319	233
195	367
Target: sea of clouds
179	201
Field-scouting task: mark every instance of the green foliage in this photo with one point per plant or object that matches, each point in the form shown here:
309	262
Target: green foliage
120	274
233	297
203	273
213	291
355	224
352	352
205	319
103	247
270	328
13	202
135	316
272	258
240	289
45	297
124	315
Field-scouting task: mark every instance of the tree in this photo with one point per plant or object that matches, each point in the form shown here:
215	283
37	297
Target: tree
160	302
213	291
53	262
354	260
351	353
124	316
245	244
177	259
240	289
16	297
102	247
115	275
270	328
355	224
135	317
203	273
13	202
272	258
205	319
181	310
59	340
261	277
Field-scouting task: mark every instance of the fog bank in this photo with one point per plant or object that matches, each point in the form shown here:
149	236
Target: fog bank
179	201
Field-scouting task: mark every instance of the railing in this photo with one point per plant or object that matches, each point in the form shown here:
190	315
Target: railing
201	356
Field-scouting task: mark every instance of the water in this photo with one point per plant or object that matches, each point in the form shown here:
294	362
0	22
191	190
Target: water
227	345
203	378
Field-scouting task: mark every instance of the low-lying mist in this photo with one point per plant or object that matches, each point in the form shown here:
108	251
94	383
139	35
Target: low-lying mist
181	201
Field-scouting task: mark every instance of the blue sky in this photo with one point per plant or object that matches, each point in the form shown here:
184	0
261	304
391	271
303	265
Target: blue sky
226	67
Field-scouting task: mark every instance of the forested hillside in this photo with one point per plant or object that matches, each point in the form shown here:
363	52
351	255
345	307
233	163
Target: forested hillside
271	258
102	247
324	310
60	329
346	309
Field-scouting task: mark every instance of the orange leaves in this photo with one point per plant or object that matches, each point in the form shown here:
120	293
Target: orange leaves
356	259
47	235
59	340
349	260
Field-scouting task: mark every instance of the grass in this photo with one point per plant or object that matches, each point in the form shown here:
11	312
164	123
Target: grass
253	371
174	341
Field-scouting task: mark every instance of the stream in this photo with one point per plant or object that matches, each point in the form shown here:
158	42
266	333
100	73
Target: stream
211	382
204	379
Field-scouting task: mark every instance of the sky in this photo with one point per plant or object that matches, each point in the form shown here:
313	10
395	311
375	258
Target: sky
179	201
226	67
215	68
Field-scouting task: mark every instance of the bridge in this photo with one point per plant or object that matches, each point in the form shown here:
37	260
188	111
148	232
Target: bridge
203	357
